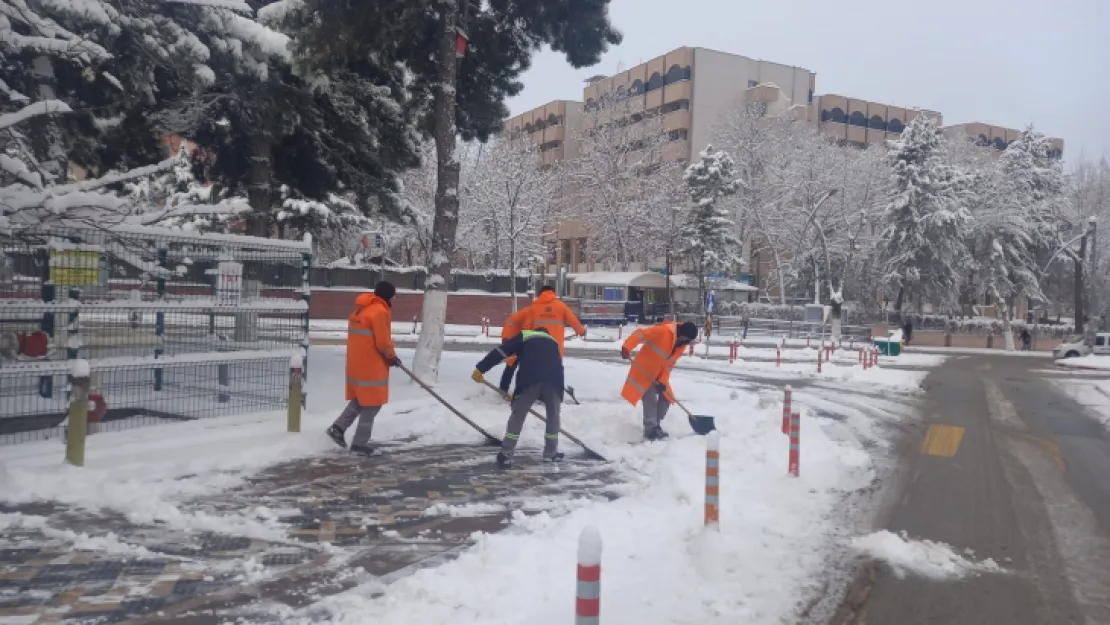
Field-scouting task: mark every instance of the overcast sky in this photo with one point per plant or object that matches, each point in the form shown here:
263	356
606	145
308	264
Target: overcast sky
1002	62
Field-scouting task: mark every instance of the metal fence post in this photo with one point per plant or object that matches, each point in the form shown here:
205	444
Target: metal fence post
306	294
77	428
160	317
296	393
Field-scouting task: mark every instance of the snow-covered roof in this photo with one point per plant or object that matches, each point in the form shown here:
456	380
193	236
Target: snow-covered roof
640	279
685	281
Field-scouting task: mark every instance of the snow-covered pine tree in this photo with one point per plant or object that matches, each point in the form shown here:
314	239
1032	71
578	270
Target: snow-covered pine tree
708	238
927	222
1016	221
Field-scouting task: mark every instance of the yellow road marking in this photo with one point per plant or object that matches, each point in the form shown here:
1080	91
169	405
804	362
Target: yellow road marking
1051	447
942	440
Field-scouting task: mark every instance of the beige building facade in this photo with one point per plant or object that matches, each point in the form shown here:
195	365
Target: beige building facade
858	122
995	137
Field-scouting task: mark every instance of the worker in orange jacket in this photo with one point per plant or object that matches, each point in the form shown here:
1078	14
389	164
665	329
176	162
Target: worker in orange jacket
370	354
517	322
649	377
553	315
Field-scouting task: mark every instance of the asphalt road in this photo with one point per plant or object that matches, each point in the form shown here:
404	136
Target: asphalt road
1009	467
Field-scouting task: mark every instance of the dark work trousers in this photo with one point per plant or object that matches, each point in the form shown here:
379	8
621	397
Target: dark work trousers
521	403
365	416
655	407
507	377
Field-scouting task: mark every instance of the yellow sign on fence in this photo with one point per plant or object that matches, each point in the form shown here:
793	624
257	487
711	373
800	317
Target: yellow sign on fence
75	267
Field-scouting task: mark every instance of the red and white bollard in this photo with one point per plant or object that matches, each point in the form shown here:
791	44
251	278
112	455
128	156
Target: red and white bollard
620	332
807	342
587	602
732	352
795	439
712	479
786	401
818	361
828	352
778	357
485	326
691	349
852	343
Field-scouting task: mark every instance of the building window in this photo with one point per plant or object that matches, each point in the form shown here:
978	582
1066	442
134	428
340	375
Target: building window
895	125
753	83
637	87
591	104
680	105
655	82
678	135
857	119
554	120
998	143
835	115
581	251
876	123
528	129
811	96
676	74
982	141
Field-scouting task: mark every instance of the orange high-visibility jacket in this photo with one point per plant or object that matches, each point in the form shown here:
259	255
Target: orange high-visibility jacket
517	322
369	350
654	361
553	315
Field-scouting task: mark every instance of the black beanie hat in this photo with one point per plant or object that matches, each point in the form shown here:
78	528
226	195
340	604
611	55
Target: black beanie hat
385	290
688	330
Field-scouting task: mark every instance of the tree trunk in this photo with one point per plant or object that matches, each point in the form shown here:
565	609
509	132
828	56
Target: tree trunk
1080	292
429	348
670	286
898	304
1007	329
260	191
512	272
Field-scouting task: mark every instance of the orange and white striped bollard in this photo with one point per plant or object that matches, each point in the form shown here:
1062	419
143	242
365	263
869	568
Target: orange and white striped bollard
818	361
778	357
786	399
587	602
795	430
712	479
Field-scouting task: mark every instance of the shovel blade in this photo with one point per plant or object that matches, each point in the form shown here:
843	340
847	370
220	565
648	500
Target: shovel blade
702	424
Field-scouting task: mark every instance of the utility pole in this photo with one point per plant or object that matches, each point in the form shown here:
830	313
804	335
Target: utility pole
1093	311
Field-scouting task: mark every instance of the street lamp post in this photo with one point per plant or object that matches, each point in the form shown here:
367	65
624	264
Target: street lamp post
1092	280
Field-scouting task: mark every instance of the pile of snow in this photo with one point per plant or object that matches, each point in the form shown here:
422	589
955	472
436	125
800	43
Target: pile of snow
1092	363
926	558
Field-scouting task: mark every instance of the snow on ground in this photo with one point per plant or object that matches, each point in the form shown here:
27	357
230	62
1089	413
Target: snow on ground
1094	395
977	351
1092	362
659	565
926	558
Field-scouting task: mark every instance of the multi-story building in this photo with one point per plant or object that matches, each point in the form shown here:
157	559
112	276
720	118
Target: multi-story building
552	126
853	121
694	87
995	137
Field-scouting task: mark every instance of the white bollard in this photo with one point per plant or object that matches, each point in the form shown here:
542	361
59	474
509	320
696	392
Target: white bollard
587	606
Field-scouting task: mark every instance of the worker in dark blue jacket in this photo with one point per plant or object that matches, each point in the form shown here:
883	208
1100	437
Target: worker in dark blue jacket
539	377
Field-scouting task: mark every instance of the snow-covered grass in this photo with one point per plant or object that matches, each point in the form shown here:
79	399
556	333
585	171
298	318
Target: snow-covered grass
659	565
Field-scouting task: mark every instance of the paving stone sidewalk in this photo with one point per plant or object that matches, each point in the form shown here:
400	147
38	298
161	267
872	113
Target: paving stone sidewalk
347	520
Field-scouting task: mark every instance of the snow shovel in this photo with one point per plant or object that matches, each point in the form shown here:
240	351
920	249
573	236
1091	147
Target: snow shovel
491	440
570	392
701	424
593	455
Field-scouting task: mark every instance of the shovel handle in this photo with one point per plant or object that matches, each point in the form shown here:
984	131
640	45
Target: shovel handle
490	439
573	438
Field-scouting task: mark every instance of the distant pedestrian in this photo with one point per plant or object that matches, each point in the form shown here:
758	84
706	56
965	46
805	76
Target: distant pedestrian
745	321
539	378
1026	339
907	332
370	354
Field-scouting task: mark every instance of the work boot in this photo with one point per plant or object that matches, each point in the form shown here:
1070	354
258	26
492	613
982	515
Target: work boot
557	457
656	434
362	450
504	461
337	436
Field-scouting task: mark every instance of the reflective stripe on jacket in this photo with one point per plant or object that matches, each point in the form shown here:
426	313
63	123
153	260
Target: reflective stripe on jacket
369	350
553	315
654	361
540	361
517	322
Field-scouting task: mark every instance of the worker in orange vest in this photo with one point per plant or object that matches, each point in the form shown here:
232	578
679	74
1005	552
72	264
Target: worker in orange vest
553	315
370	354
649	377
517	322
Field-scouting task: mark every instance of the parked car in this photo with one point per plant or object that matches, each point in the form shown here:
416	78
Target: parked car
1076	345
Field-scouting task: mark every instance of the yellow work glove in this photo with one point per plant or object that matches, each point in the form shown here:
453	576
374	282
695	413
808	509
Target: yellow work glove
478	377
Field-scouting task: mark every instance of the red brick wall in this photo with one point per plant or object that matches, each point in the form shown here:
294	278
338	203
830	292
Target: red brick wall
461	309
932	338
